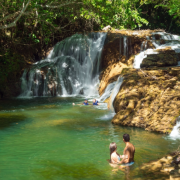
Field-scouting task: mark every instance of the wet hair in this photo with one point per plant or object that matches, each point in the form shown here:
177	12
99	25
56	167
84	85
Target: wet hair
126	137
112	148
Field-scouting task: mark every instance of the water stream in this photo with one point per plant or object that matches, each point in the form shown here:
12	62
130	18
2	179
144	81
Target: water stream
175	133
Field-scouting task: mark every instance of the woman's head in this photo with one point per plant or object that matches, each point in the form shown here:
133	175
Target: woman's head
112	147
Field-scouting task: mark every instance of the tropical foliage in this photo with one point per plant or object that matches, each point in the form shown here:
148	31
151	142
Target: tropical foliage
30	27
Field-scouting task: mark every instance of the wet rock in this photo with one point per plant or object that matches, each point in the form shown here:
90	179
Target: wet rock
162	41
120	47
81	91
164	58
162	167
175	174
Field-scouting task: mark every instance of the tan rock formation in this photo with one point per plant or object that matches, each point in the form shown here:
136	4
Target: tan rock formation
149	99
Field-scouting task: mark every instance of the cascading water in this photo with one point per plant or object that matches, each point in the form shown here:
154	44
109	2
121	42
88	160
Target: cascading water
108	91
125	45
72	68
175	133
115	91
170	40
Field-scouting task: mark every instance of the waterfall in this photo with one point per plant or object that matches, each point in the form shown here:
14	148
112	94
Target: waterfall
172	41
71	68
120	47
108	91
115	91
125	46
138	59
175	133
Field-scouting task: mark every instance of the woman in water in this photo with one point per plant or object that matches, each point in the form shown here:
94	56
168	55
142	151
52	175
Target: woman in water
95	102
114	156
84	103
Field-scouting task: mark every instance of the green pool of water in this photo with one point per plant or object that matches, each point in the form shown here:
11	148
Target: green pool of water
48	138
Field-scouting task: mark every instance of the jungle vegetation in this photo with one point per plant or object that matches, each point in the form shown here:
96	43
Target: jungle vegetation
29	27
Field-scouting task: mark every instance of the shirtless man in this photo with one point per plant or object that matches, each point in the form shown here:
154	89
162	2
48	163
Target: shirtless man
129	151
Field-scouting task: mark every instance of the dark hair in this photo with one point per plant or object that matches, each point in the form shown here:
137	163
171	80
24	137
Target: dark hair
126	137
112	148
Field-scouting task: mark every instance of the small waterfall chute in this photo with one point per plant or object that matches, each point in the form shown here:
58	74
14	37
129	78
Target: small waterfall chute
138	59
115	92
175	133
108	91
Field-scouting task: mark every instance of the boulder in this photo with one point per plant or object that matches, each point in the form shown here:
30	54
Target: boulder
164	58
162	168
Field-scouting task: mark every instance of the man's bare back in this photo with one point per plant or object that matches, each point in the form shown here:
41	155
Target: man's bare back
129	150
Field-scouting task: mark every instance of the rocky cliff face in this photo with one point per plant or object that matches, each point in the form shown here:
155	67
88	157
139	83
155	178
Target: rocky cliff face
148	97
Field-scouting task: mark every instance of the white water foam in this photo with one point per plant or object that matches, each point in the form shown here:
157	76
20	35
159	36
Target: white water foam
175	133
138	59
115	91
107	117
108	91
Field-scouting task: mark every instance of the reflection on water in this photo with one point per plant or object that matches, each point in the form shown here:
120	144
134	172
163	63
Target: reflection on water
51	139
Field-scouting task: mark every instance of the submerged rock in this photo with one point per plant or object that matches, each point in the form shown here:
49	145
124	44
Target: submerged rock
163	167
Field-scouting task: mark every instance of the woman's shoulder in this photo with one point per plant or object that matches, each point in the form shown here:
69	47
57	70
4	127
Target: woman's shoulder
114	155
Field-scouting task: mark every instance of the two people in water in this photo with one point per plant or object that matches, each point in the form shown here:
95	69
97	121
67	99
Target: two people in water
128	153
95	102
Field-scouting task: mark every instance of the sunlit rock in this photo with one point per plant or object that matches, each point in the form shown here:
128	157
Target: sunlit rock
148	99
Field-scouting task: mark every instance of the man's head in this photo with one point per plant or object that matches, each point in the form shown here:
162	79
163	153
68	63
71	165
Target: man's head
85	100
94	100
126	138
